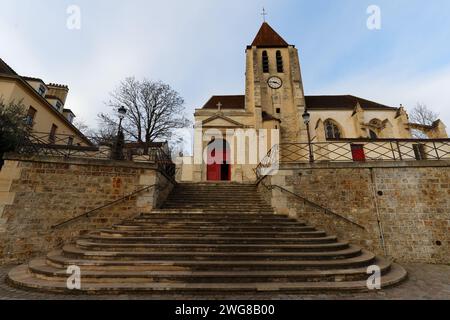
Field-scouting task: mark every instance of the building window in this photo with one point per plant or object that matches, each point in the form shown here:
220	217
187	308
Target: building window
332	130
42	90
280	67
70	117
58	105
52	136
278	110
30	116
265	62
373	135
70	141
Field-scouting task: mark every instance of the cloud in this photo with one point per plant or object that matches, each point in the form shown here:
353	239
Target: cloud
388	87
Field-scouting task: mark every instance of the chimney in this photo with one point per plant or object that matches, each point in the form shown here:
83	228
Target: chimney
58	90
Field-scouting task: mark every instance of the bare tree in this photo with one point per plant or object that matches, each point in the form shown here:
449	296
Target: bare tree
154	110
81	125
421	114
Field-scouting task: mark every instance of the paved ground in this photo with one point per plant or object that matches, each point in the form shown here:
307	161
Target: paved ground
425	282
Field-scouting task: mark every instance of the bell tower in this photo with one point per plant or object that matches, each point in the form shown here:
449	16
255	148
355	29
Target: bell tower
274	86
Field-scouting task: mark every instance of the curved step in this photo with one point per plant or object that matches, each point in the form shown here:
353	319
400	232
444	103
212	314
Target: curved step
40	269
21	277
95	236
242	229
74	252
56	258
215	234
91	245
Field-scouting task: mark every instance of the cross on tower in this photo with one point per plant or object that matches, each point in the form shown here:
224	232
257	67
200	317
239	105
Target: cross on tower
219	105
264	14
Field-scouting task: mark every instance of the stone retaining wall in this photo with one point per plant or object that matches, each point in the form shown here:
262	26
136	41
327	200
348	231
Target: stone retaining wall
38	192
403	206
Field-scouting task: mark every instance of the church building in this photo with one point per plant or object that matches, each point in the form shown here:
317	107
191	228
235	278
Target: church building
275	99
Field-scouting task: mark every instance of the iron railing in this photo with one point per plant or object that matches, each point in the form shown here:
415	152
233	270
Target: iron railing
355	150
70	147
311	203
89	213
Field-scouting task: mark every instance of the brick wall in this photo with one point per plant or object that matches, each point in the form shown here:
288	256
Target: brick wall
37	193
405	203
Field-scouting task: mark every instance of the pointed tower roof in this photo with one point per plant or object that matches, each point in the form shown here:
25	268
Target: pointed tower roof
268	37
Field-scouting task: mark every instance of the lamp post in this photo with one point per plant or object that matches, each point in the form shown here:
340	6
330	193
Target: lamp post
306	119
117	153
122	113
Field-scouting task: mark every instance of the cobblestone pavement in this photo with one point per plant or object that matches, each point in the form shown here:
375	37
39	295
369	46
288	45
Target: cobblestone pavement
424	282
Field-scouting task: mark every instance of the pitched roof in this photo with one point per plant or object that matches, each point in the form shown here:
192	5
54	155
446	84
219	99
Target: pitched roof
4	68
227	102
342	102
268	37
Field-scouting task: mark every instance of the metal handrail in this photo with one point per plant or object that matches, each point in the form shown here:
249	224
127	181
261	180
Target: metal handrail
87	214
311	203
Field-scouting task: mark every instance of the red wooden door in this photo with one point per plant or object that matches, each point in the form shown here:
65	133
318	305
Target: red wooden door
358	152
215	170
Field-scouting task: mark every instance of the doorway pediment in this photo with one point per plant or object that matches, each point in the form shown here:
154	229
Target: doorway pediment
219	120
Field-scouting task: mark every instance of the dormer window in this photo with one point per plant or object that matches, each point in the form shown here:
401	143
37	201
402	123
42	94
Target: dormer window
42	90
70	117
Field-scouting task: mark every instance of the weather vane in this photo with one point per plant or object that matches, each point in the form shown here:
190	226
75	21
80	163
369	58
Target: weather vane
264	14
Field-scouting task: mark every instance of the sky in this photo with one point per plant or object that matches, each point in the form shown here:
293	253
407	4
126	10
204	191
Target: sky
198	47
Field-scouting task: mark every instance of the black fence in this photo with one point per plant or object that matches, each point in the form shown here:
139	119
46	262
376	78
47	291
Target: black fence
71	147
355	150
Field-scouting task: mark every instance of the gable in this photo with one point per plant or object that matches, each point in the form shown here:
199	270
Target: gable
220	121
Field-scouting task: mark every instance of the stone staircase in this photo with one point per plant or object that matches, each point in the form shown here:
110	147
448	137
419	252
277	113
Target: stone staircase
208	239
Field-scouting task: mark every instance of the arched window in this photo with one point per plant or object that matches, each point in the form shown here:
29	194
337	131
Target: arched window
332	130
280	67
265	62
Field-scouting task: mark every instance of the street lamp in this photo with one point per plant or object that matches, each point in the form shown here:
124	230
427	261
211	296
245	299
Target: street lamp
122	113
307	119
117	153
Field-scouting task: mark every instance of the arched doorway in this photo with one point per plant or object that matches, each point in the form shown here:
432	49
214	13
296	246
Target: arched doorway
218	166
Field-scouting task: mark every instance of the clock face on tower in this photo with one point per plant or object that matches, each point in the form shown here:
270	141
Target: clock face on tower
275	82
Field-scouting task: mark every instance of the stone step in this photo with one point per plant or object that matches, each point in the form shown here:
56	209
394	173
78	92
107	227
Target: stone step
209	238
58	259
214	234
96	236
21	277
217	205
215	216
44	271
74	252
199	224
92	245
213	213
236	228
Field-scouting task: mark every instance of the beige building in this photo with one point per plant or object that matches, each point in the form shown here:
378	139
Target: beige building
47	114
274	99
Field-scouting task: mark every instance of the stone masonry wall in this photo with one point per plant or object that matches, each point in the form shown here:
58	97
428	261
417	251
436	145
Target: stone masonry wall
405	203
38	193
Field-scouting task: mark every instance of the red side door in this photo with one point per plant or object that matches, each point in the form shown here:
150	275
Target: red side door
358	152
